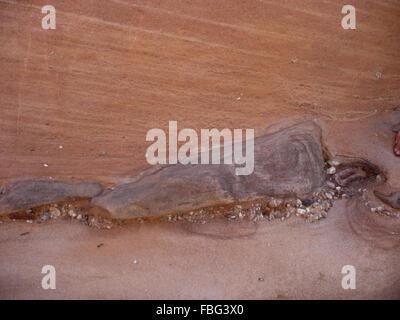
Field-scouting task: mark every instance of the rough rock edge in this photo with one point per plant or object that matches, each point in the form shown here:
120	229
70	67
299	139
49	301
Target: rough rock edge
27	194
275	175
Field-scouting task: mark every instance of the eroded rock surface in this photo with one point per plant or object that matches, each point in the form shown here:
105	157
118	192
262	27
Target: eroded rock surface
28	194
392	199
351	173
287	163
379	229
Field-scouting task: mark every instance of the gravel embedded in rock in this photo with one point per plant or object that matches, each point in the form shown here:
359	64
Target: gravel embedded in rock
45	216
331	170
54	213
72	213
333	163
274	203
301	211
329	195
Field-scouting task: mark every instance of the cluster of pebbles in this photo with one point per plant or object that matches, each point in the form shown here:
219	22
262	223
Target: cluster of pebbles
378	208
65	211
366	195
312	208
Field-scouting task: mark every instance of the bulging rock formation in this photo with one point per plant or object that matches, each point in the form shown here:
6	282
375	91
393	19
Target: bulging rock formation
27	194
287	163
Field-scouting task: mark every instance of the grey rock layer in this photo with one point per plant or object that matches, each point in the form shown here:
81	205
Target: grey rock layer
27	194
287	163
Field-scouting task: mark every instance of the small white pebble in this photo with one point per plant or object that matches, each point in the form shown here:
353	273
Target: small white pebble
45	165
29	221
135	261
329	195
333	163
60	147
72	213
301	211
331	170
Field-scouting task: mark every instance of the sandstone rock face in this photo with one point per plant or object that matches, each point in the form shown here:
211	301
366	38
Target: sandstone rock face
287	163
23	195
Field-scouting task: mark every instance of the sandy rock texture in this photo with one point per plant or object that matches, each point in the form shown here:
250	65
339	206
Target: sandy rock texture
112	70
